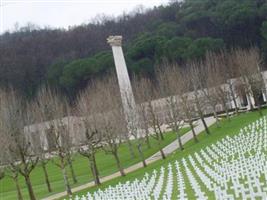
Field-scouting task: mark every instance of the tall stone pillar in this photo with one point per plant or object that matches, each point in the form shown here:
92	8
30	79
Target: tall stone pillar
126	92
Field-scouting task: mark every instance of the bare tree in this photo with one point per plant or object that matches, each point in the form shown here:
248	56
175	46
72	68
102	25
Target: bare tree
53	110
223	87
126	137
112	123
193	71
111	136
151	109
14	116
168	87
131	117
209	83
44	161
70	156
187	105
144	123
87	107
213	84
249	62
6	170
138	123
140	95
2	156
14	175
229	74
38	140
2	174
137	133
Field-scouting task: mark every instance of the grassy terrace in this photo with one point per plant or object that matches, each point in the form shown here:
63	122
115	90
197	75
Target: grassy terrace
227	128
106	165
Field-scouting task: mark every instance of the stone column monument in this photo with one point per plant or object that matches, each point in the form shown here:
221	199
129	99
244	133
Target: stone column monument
126	92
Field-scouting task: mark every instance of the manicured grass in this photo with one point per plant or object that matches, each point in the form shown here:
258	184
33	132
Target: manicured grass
227	128
105	163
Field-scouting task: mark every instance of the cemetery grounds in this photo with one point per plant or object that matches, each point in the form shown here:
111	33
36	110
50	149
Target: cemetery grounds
106	165
231	163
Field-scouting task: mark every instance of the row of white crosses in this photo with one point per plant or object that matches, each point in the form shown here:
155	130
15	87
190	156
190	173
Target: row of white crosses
169	186
180	182
232	168
158	188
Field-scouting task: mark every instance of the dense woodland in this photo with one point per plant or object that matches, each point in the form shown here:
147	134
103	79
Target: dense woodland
179	31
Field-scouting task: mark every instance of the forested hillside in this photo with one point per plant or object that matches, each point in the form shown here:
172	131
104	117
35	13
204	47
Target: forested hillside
178	32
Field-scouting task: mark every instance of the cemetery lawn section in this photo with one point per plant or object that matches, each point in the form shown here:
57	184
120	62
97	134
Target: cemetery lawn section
105	162
228	128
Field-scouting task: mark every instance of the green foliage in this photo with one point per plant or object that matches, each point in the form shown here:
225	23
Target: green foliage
54	73
234	13
262	12
144	66
74	75
264	41
169	30
264	30
144	46
104	60
77	70
178	32
199	47
151	49
176	49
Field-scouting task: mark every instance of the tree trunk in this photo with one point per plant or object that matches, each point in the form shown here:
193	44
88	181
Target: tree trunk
118	163
180	142
193	131
179	139
65	177
29	187
160	133
120	141
162	153
19	195
258	105
146	131
159	129
216	117
2	174
139	147
226	111
130	147
74	179
201	114
94	169
205	125
147	139
160	149
46	177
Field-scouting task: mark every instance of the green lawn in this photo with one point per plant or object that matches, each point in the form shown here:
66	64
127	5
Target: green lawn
227	128
106	165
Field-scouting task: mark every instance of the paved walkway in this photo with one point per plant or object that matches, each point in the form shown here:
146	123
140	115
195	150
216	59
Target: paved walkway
157	156
185	138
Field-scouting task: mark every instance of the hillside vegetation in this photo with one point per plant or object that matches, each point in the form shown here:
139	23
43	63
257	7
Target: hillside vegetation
178	32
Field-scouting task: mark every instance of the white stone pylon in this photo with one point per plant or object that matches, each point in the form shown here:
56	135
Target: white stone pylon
126	92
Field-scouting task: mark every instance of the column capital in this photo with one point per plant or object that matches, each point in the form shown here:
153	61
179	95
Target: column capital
114	40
